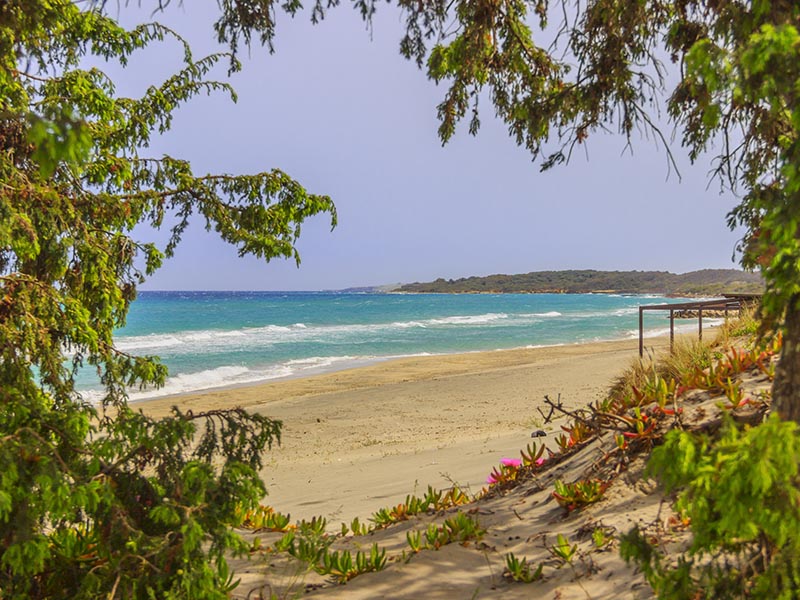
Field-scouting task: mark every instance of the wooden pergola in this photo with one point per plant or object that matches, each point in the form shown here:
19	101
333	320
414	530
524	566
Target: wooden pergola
727	303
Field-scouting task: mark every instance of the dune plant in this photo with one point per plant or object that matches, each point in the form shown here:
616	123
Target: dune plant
659	381
356	527
343	565
454	496
687	355
656	388
640	425
310	545
563	549
745	325
577	431
602	537
433	537
507	472
579	493
519	569
414	539
735	394
432	501
265	518
305	546
460	528
315	527
767	367
533	456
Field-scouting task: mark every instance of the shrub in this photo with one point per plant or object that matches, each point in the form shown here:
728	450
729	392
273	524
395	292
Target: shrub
740	494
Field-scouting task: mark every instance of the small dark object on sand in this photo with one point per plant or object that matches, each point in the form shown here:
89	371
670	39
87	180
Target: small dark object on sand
539	433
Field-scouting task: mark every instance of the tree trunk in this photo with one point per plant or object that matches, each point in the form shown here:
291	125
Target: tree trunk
786	387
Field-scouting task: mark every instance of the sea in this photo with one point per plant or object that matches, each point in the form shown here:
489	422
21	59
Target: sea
222	339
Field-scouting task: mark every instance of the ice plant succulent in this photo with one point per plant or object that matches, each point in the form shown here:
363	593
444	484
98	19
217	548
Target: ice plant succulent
507	472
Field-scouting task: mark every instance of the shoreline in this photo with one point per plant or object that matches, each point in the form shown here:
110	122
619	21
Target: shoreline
361	439
393	369
368	361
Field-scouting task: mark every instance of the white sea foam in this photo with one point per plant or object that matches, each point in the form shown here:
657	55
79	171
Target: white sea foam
409	324
318	362
203	380
263	336
200	336
595	314
147	341
226	334
234	375
269	329
535	346
469	319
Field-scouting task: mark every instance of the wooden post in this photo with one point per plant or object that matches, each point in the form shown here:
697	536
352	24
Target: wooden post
641	332
700	322
671	329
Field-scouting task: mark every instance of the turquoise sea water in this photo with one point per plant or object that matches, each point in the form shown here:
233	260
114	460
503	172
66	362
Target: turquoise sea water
214	339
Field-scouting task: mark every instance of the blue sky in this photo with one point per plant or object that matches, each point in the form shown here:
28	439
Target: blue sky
342	112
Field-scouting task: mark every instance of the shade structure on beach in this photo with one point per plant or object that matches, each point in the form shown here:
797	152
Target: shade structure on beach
725	304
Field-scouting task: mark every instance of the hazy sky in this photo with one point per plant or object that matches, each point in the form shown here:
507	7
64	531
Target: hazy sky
342	112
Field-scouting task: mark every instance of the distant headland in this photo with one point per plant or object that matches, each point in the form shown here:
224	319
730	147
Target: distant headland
706	282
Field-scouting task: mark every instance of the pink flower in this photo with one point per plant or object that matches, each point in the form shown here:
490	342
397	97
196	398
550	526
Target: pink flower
490	479
511	462
540	461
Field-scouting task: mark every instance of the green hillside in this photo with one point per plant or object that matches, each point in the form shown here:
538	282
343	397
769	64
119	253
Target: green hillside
707	282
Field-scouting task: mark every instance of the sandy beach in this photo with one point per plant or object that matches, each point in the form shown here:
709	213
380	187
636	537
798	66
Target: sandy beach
361	440
358	440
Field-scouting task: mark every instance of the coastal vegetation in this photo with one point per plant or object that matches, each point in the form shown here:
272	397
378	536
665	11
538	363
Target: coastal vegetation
101	500
105	501
708	282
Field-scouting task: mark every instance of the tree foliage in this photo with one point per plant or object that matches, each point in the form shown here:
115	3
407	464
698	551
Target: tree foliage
101	499
740	494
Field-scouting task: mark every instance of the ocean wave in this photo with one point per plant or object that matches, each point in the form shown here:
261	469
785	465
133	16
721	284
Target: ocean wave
469	319
207	379
194	341
409	324
235	375
148	341
601	314
318	362
263	336
535	346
